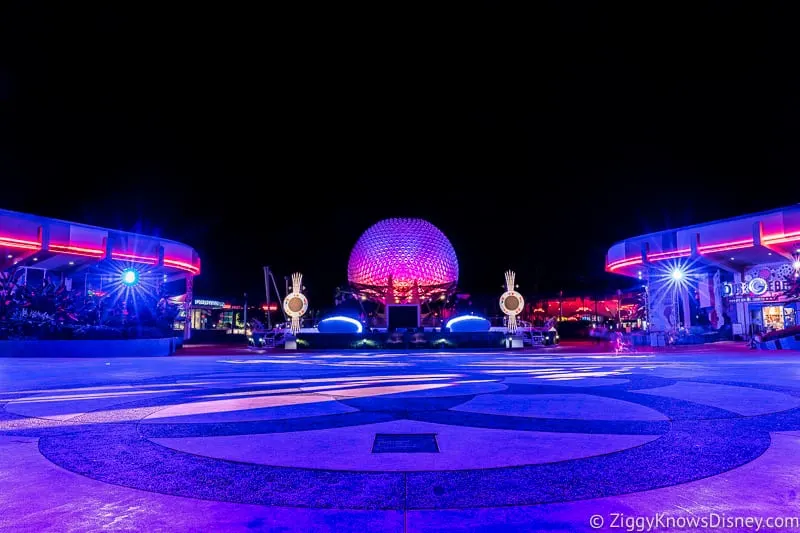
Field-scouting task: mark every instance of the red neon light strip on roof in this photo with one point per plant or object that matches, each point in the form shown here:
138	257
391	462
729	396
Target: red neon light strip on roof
134	258
20	241
630	260
727	243
785	237
670	255
6	242
708	248
182	265
76	250
724	247
624	263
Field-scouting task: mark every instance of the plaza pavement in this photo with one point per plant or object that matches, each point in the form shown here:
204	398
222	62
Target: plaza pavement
334	441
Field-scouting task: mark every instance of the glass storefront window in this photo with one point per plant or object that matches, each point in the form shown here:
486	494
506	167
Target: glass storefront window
199	319
773	317
788	317
226	320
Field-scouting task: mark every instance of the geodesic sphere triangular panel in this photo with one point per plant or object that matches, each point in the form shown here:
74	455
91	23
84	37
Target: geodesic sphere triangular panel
403	250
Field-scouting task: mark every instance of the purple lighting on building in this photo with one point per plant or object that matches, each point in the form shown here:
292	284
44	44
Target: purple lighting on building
403	252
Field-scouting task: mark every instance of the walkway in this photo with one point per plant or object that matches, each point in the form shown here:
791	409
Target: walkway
398	442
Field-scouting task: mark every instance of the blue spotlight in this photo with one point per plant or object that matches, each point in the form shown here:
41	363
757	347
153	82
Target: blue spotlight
340	324
130	277
468	324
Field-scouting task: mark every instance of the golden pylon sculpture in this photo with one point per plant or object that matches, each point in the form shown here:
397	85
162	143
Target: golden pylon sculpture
511	302
296	304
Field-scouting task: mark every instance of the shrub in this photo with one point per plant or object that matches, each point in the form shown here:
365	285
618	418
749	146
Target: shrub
97	333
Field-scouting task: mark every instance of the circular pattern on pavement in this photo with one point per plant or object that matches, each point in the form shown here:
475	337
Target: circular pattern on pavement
350	448
647	432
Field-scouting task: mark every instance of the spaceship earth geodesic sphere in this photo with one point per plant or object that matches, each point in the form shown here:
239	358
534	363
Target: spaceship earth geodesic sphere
403	251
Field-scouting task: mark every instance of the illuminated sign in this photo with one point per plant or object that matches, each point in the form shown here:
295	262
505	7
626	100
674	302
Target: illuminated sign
758	289
758	286
755	287
208	303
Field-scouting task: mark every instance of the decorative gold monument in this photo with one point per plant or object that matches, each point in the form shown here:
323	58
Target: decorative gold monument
511	302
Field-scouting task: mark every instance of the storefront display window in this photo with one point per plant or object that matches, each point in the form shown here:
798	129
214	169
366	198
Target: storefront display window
773	317
788	317
217	315
199	319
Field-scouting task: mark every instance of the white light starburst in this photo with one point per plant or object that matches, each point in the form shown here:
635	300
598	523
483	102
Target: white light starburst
133	285
672	280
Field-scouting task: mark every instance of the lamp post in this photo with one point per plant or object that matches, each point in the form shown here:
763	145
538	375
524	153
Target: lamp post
676	312
266	289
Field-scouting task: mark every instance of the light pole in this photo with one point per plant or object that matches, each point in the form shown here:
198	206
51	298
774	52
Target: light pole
266	289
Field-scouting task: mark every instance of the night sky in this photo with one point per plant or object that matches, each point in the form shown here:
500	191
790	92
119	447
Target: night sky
533	139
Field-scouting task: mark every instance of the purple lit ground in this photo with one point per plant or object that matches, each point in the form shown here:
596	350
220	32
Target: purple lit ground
527	442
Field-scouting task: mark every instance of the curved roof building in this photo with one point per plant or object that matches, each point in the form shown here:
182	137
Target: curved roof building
89	260
741	272
732	243
403	259
61	246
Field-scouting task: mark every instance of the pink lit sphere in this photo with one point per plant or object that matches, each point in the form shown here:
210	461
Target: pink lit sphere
405	250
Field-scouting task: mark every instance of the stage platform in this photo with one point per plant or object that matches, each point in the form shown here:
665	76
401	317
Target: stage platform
404	341
428	340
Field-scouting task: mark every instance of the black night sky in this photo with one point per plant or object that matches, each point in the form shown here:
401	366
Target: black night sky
276	135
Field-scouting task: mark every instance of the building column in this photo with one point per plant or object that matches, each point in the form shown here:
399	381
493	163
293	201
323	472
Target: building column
688	319
717	295
742	310
187	305
659	299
